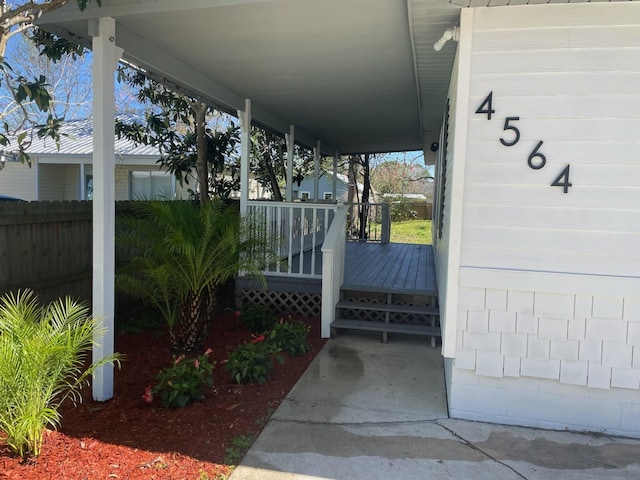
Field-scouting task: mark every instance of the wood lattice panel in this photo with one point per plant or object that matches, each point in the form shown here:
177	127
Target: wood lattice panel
305	304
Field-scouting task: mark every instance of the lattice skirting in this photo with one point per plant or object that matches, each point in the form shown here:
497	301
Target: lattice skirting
295	303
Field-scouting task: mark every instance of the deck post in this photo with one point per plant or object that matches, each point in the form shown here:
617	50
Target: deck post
334	183
291	142
105	60
316	172
245	149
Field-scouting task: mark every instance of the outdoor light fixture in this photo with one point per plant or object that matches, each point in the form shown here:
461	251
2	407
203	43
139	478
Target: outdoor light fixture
449	34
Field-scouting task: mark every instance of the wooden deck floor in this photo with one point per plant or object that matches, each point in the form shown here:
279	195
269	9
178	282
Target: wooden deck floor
395	267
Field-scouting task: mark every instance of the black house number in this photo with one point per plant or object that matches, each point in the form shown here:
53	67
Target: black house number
536	159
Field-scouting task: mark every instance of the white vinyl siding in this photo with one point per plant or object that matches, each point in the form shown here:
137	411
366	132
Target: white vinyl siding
549	282
18	180
574	81
58	182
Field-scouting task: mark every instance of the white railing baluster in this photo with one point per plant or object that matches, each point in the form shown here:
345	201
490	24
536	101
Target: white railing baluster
294	229
313	241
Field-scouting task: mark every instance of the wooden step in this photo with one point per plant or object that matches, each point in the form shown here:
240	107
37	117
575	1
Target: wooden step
385	307
386	327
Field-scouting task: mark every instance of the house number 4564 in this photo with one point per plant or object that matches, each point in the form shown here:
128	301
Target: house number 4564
536	160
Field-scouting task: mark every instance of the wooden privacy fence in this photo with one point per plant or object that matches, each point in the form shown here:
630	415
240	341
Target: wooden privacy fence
424	210
47	247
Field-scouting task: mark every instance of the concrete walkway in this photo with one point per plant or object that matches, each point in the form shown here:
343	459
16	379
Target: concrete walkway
366	410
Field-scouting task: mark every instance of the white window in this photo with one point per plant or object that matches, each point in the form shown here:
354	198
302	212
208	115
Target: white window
151	185
305	195
328	196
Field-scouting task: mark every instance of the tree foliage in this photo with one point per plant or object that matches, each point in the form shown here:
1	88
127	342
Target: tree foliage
16	19
197	143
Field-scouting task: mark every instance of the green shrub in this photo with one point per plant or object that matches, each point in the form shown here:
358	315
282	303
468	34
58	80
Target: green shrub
252	362
182	383
257	318
402	212
43	351
290	337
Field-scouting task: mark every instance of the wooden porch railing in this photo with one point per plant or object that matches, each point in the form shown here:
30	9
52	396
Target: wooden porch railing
368	222
333	252
298	230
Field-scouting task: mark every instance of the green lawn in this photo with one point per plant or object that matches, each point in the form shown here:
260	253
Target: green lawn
413	231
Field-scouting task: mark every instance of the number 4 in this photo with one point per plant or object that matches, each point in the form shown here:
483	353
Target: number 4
486	106
562	180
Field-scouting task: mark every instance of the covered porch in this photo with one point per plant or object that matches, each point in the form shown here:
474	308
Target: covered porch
336	77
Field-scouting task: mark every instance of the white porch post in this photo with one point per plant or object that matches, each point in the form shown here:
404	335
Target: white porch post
83	190
334	183
105	60
291	141
316	171
245	149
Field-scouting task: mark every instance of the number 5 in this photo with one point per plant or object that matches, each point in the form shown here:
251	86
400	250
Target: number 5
514	129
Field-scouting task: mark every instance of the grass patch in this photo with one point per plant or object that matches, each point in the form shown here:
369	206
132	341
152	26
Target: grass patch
413	231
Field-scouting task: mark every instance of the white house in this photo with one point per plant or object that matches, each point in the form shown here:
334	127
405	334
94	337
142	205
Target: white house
66	173
535	109
306	188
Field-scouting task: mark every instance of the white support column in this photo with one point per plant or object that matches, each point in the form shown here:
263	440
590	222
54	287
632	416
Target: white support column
316	172
291	141
245	149
105	60
334	182
83	188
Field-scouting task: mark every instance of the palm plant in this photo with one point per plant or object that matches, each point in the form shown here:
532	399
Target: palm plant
43	353
180	254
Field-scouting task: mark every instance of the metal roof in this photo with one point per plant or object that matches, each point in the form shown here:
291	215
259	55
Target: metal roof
76	138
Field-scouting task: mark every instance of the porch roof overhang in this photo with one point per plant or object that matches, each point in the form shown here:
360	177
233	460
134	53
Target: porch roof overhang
343	72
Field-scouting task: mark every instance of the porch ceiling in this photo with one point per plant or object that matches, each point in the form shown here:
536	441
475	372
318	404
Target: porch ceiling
342	71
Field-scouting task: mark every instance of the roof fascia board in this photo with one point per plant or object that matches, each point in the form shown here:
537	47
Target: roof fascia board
124	8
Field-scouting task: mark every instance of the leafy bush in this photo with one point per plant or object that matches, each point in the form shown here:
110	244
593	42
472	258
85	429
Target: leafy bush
252	362
257	318
182	383
42	356
402	212
290	337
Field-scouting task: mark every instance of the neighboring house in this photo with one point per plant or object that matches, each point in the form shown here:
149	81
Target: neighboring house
537	179
305	190
67	173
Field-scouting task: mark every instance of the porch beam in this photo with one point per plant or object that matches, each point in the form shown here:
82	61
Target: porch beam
245	149
291	143
124	8
316	171
105	60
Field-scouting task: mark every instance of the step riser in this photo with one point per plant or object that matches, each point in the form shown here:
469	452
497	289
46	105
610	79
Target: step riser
388	312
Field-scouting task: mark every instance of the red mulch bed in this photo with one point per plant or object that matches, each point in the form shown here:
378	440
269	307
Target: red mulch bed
125	438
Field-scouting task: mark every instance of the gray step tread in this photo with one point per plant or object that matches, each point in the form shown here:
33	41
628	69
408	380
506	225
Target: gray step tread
386	327
385	307
402	291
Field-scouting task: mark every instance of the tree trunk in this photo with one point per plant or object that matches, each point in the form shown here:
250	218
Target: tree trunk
192	327
364	213
268	162
200	110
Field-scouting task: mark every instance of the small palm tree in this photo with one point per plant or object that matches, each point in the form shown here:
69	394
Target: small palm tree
43	353
180	254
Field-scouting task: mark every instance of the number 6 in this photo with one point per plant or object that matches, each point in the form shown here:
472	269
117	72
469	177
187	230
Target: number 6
535	153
